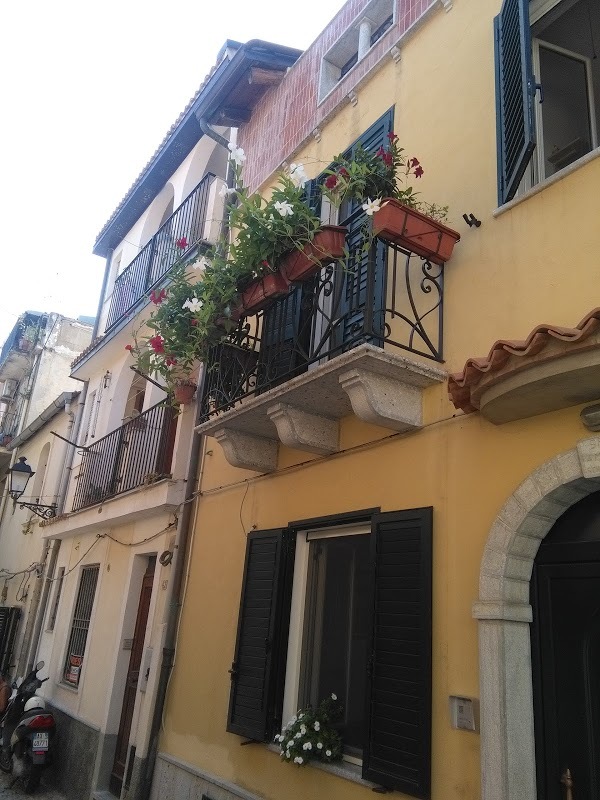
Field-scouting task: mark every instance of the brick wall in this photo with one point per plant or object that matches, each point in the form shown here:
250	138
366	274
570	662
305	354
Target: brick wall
290	112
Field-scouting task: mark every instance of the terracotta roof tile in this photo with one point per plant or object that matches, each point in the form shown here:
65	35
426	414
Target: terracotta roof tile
461	384
87	350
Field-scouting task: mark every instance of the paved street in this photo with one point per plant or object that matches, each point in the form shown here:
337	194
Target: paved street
17	793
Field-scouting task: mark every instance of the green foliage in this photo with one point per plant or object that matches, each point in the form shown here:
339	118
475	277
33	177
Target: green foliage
311	735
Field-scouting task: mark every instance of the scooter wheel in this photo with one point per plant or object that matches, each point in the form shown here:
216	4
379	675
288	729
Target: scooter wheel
32	780
5	762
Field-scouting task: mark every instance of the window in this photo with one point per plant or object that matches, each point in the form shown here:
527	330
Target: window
56	601
376	18
548	88
342	605
80	625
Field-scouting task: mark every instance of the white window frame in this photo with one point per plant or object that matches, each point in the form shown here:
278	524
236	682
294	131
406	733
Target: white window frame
294	651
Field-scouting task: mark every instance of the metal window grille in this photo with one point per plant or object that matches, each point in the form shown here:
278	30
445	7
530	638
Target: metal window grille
81	624
56	601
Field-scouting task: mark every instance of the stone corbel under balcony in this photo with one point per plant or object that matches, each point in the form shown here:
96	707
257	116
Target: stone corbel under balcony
379	387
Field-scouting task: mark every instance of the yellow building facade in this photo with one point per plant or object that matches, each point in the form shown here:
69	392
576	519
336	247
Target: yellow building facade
371	437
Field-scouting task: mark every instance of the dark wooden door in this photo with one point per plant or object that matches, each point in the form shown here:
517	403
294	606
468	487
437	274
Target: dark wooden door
131	684
566	656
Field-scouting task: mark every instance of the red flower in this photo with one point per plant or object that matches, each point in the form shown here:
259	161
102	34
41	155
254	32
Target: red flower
157	343
193	322
331	182
265	264
392	136
387	159
414	162
129	347
170	362
158	298
344	173
380	152
181	243
418	171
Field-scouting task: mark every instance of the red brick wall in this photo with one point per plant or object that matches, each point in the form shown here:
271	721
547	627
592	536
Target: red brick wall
289	113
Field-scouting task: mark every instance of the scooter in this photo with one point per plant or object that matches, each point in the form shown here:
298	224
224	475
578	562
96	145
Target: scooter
27	732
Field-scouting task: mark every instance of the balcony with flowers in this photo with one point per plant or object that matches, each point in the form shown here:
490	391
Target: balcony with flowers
300	323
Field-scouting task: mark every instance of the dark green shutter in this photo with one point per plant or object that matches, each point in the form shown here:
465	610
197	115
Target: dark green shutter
397	753
515	90
258	669
8	641
364	284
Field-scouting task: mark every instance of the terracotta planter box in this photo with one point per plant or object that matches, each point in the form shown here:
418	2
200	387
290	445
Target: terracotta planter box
184	393
262	292
327	246
412	230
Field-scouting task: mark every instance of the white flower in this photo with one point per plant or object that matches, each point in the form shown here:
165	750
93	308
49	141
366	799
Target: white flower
320	745
225	190
303	729
284	208
317	726
370	207
333	696
193	304
297	175
328	753
290	743
237	154
293	719
298	760
201	263
307	746
287	754
298	735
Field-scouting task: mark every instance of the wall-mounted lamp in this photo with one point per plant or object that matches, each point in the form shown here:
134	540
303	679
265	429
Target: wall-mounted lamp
106	379
19	478
471	220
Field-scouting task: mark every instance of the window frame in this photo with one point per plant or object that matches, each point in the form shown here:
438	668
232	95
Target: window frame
397	746
71	637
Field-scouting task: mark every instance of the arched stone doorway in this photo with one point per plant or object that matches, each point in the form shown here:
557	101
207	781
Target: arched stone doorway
508	767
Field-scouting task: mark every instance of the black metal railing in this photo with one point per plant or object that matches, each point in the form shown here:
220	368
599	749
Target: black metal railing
152	263
136	454
388	297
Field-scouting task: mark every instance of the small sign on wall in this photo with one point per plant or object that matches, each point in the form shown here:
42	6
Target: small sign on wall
73	670
464	713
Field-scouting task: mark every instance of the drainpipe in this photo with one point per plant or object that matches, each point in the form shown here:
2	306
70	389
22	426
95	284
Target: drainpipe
31	617
180	556
212	134
43	604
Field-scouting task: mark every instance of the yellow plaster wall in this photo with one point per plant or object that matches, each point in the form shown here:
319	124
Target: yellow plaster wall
522	267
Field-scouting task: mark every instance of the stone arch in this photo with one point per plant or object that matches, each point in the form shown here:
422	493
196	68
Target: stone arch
504	614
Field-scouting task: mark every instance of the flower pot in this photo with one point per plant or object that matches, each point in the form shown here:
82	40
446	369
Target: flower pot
414	231
184	393
327	246
262	292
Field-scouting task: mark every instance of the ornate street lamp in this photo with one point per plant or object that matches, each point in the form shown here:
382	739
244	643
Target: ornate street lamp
19	478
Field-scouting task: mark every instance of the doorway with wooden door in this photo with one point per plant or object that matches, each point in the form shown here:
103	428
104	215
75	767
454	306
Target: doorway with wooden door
117	777
565	597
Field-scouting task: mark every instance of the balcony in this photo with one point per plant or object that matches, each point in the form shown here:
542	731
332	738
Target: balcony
344	342
153	262
139	453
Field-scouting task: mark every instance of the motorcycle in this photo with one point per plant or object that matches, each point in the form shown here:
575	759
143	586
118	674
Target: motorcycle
27	732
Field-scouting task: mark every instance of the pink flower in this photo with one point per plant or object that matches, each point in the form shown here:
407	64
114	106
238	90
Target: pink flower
157	343
181	243
158	298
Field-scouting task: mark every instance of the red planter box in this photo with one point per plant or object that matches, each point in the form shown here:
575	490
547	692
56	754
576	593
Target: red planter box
262	292
327	246
412	230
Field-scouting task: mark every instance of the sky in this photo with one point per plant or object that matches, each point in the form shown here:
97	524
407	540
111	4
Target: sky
88	92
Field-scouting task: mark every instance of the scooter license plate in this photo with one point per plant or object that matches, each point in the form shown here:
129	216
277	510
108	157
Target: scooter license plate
40	741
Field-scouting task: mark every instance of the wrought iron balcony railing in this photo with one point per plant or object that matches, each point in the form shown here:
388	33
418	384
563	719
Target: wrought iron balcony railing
152	263
388	297
136	454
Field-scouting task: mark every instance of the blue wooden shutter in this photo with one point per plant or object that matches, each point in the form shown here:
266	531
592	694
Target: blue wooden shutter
515	90
397	753
258	669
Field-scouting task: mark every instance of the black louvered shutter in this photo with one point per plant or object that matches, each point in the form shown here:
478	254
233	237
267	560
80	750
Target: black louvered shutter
4	612
397	753
10	632
258	669
515	90
363	289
